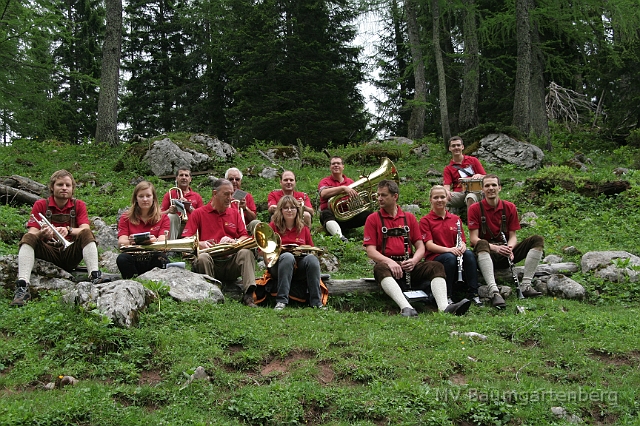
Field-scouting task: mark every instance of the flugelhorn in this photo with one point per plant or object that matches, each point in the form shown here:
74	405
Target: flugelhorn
180	205
345	208
58	238
263	237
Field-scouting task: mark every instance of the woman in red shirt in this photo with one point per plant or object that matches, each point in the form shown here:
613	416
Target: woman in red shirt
288	223
143	216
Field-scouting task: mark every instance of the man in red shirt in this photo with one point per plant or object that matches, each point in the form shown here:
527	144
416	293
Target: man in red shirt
393	241
288	186
489	221
188	197
246	204
219	223
337	184
461	166
70	219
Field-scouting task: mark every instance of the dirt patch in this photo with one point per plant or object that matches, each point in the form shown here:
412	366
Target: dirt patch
281	365
326	374
630	358
235	349
458	379
150	377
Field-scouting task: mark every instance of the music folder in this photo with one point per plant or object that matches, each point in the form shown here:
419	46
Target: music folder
141	238
415	295
239	194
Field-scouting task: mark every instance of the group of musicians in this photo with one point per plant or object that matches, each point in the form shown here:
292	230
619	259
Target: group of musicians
430	255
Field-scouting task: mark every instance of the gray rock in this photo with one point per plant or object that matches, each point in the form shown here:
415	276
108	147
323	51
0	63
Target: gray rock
44	276
601	259
106	236
552	258
561	286
268	173
483	291
185	286
165	158
399	140
562	413
528	219
329	263
215	147
411	208
420	151
501	149
108	262
571	251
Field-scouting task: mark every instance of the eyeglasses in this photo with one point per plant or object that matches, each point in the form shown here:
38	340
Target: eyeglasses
289	209
238	179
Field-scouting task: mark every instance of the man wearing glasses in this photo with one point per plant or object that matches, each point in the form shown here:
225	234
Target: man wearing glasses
337	184
242	200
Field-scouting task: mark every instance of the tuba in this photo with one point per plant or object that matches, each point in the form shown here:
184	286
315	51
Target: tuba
180	205
345	208
263	237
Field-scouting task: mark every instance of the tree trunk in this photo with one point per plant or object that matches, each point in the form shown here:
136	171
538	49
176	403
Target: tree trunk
538	108
107	126
521	117
471	77
442	81
418	106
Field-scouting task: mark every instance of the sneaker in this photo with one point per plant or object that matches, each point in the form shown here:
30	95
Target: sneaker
21	295
320	307
279	306
530	292
476	301
449	300
459	308
97	278
248	300
408	312
497	301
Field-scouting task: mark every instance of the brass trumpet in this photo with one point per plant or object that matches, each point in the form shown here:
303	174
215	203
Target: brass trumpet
58	238
263	237
345	208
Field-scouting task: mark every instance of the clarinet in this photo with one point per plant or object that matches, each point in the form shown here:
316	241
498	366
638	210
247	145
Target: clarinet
513	272
407	274
459	258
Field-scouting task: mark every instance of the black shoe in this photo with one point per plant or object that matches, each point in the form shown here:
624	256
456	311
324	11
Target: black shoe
497	301
97	278
248	300
459	308
530	292
408	312
21	295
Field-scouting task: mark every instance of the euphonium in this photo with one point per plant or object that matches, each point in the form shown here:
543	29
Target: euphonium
182	245
182	211
345	208
263	237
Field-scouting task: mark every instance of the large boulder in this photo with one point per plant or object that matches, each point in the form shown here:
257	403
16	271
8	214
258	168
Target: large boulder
121	301
564	287
106	236
44	276
501	149
215	147
186	286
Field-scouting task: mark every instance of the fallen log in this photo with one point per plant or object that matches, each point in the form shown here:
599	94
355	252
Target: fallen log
26	184
588	188
13	196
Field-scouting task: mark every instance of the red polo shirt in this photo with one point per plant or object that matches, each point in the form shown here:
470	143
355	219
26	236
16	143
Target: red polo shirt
40	206
395	245
275	196
443	231
292	236
213	225
330	182
156	229
193	197
494	218
451	175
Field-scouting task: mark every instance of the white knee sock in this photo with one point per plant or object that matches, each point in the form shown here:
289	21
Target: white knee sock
392	289
530	264
90	255
26	260
333	228
485	264
439	291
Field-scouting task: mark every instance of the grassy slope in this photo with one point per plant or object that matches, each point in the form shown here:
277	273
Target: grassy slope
359	363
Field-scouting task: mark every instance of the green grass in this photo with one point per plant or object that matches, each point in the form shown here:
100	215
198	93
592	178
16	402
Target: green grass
358	363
